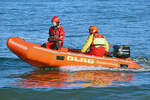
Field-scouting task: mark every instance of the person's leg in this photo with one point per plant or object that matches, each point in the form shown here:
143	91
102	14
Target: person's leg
44	45
48	45
58	45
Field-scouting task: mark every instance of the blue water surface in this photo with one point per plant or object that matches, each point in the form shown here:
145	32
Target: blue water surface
125	22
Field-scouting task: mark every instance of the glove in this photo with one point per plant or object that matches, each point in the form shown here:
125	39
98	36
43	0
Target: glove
52	40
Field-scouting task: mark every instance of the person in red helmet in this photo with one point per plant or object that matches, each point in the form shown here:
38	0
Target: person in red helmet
56	35
96	42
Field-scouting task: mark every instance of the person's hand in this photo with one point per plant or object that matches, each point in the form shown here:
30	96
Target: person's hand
51	40
48	39
79	51
58	40
87	50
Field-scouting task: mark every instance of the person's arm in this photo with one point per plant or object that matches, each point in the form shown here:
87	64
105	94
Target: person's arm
49	38
87	44
106	45
62	34
50	29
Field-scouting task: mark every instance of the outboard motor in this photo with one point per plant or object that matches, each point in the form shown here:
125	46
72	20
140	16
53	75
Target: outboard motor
121	51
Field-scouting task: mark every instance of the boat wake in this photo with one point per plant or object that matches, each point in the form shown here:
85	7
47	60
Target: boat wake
100	68
142	61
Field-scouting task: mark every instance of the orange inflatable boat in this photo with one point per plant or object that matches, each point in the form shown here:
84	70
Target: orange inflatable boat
38	56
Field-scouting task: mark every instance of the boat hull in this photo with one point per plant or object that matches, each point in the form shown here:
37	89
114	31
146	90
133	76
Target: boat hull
38	56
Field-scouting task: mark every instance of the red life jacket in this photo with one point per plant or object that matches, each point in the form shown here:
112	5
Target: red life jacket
98	41
57	33
97	45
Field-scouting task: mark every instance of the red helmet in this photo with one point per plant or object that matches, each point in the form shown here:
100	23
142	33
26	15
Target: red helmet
55	19
93	29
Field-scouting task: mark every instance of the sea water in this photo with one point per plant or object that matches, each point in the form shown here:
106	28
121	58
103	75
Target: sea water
122	22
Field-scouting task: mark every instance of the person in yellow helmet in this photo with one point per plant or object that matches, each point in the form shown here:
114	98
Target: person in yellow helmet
96	42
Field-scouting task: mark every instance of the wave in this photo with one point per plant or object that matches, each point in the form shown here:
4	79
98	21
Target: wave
9	59
12	63
100	68
144	62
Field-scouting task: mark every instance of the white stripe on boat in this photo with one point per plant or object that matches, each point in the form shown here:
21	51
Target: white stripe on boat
68	53
18	45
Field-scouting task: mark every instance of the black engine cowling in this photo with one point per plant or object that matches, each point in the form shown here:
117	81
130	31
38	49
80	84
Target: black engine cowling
121	51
